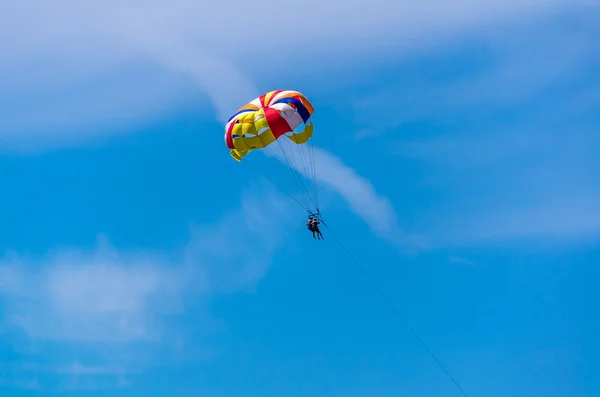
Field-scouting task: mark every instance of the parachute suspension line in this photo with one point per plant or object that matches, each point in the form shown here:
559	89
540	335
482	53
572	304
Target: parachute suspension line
298	188
311	154
298	180
300	153
303	168
395	310
277	185
309	169
295	169
273	181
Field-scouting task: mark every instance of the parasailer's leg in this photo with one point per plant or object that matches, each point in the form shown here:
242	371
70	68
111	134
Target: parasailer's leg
319	232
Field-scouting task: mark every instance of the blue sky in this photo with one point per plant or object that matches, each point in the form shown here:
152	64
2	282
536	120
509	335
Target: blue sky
457	154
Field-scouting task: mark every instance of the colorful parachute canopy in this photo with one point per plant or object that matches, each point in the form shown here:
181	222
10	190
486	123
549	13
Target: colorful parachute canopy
267	118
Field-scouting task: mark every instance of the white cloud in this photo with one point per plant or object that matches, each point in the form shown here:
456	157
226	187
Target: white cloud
493	71
535	187
555	220
217	44
373	208
509	156
317	168
358	191
98	296
109	312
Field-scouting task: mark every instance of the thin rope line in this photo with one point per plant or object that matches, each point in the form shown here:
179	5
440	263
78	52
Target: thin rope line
298	179
389	302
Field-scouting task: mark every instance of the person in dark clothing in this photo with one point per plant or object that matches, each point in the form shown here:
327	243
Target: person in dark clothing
315	228
309	223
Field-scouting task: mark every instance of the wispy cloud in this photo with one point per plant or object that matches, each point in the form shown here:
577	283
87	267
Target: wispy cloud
79	45
306	167
98	296
373	208
509	155
479	77
108	312
226	85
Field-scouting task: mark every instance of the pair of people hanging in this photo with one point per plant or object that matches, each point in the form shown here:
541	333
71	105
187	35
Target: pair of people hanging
313	225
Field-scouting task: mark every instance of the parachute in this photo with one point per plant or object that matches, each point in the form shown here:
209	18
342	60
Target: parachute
278	124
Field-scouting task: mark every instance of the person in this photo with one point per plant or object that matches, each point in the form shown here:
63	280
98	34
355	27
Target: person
309	224
315	228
